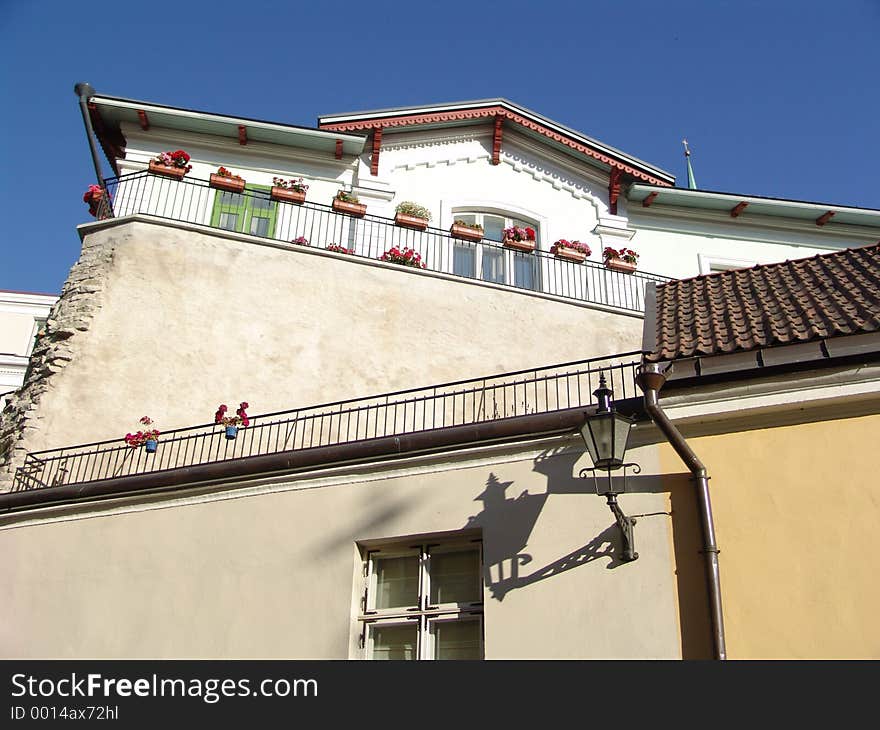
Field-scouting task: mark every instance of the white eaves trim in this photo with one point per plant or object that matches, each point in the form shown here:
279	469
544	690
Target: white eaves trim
204	116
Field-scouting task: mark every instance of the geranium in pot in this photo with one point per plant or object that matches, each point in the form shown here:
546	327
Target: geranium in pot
348	203
98	200
338	248
171	164
519	239
412	215
232	423
624	259
574	251
404	257
466	231
288	191
148	438
223	179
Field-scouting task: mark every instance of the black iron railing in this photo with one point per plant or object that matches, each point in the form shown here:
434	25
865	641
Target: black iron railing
508	395
253	212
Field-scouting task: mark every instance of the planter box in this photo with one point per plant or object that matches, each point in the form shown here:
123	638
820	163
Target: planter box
466	233
570	254
167	170
411	221
620	265
287	195
524	246
356	209
230	184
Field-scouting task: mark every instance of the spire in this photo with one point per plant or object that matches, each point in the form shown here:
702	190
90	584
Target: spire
692	183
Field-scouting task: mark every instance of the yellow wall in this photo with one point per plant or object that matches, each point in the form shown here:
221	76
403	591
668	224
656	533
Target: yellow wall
797	516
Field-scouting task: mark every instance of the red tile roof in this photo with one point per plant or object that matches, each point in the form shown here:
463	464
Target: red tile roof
771	304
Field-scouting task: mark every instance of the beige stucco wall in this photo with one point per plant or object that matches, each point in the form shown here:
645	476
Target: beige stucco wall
272	571
187	320
797	510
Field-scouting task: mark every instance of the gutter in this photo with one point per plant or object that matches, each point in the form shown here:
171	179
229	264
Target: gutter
508	430
650	379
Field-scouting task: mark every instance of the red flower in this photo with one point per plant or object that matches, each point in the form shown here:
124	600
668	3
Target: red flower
218	416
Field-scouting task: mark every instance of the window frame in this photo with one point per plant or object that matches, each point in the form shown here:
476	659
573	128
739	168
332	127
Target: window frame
425	615
245	209
509	257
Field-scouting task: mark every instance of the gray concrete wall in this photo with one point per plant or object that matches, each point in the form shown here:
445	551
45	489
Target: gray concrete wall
273	569
168	321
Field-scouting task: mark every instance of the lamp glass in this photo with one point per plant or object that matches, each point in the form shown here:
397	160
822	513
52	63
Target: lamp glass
606	436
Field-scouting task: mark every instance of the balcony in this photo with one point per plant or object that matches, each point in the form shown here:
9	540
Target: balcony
193	201
496	408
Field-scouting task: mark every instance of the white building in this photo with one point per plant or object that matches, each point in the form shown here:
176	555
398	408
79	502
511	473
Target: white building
320	530
22	318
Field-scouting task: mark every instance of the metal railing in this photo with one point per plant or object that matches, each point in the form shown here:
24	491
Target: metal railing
464	402
254	212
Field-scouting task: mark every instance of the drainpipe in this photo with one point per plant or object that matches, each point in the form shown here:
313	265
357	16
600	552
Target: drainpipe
84	90
650	379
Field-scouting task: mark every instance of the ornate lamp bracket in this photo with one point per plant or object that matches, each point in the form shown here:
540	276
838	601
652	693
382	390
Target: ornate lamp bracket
623	522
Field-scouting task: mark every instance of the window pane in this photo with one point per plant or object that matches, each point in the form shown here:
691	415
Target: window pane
394	642
524	270
259	226
492	227
457	640
259	203
493	265
464	260
229	221
230	199
468	218
397	582
455	577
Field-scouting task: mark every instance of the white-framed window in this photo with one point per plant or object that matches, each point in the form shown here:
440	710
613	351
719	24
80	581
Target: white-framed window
38	331
493	262
423	601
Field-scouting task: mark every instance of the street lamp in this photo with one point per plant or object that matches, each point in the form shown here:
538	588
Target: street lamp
606	433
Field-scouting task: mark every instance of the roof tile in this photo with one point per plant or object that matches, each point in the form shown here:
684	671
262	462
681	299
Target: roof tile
794	301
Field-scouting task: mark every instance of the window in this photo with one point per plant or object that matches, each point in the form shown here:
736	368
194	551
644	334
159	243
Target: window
423	602
492	262
39	331
254	214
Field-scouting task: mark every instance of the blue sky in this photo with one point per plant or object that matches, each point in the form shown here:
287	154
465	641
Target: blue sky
776	98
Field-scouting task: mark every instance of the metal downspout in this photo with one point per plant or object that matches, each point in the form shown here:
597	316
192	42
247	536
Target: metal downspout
650	380
84	90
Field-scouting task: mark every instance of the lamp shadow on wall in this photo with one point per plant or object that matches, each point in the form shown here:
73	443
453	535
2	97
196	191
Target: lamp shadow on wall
507	522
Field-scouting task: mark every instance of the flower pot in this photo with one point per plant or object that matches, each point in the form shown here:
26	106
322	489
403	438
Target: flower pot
231	432
526	246
356	209
466	233
411	221
151	445
167	170
570	254
287	195
616	264
230	184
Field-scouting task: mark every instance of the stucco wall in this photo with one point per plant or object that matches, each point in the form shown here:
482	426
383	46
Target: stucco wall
185	320
273	571
797	510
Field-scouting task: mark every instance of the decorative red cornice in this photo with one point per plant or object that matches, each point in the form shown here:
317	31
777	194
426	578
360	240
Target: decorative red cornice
498	112
614	190
377	147
737	209
144	119
242	134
